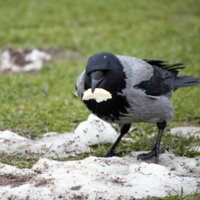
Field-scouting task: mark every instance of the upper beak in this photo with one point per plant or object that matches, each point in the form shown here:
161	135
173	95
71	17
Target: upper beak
94	85
96	79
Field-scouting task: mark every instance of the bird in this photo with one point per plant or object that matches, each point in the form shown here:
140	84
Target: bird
141	91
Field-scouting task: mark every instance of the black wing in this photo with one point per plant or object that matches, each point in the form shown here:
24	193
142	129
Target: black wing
162	79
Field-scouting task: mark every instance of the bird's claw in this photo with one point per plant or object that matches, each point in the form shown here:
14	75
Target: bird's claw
155	152
164	149
145	156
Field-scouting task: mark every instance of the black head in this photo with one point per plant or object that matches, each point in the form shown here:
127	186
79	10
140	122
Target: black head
100	62
104	70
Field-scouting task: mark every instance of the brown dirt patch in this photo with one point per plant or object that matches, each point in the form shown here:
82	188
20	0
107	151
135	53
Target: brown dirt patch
14	180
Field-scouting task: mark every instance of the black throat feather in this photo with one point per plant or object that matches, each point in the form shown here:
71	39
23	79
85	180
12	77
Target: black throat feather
115	108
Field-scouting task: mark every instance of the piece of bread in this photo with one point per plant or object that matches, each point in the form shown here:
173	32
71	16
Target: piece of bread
98	95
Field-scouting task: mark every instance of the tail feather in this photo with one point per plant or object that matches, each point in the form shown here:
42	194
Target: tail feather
185	81
179	81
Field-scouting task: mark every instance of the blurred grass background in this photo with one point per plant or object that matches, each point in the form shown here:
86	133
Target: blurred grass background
145	29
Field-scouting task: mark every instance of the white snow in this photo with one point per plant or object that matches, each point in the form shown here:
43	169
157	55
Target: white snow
9	135
108	178
9	56
37	58
186	131
36	54
93	177
93	131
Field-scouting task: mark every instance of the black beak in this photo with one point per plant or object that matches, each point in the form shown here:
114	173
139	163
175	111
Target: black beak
96	79
94	85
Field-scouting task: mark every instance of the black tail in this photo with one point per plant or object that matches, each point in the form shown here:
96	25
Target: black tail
185	81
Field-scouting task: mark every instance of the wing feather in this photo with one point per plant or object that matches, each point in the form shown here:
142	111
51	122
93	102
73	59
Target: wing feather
154	77
162	81
136	69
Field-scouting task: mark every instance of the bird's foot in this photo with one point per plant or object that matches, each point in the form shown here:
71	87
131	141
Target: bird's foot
112	153
155	152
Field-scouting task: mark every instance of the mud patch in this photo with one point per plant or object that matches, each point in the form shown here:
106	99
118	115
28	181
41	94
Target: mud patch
14	180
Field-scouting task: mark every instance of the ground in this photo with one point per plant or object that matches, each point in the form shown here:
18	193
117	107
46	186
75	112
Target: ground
149	30
95	177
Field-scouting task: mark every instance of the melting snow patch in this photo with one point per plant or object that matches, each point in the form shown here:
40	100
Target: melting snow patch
93	131
22	60
186	131
93	177
101	178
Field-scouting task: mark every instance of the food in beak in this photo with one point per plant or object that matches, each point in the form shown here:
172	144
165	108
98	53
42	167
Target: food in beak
98	95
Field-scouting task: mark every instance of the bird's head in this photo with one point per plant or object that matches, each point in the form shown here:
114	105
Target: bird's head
104	70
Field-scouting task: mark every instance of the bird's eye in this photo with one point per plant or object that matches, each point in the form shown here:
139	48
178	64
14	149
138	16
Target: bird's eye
106	72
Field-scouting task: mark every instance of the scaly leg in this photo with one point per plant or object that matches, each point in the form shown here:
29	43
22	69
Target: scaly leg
124	129
156	150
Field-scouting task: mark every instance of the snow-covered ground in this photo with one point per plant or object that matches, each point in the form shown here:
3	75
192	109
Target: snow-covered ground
22	60
186	131
91	132
93	177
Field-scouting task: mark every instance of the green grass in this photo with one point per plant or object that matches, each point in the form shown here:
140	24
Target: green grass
157	30
145	29
27	107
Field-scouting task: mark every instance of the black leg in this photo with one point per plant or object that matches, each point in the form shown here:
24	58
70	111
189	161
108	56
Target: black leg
124	129
156	150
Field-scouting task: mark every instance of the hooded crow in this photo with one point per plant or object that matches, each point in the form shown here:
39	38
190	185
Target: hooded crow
141	91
